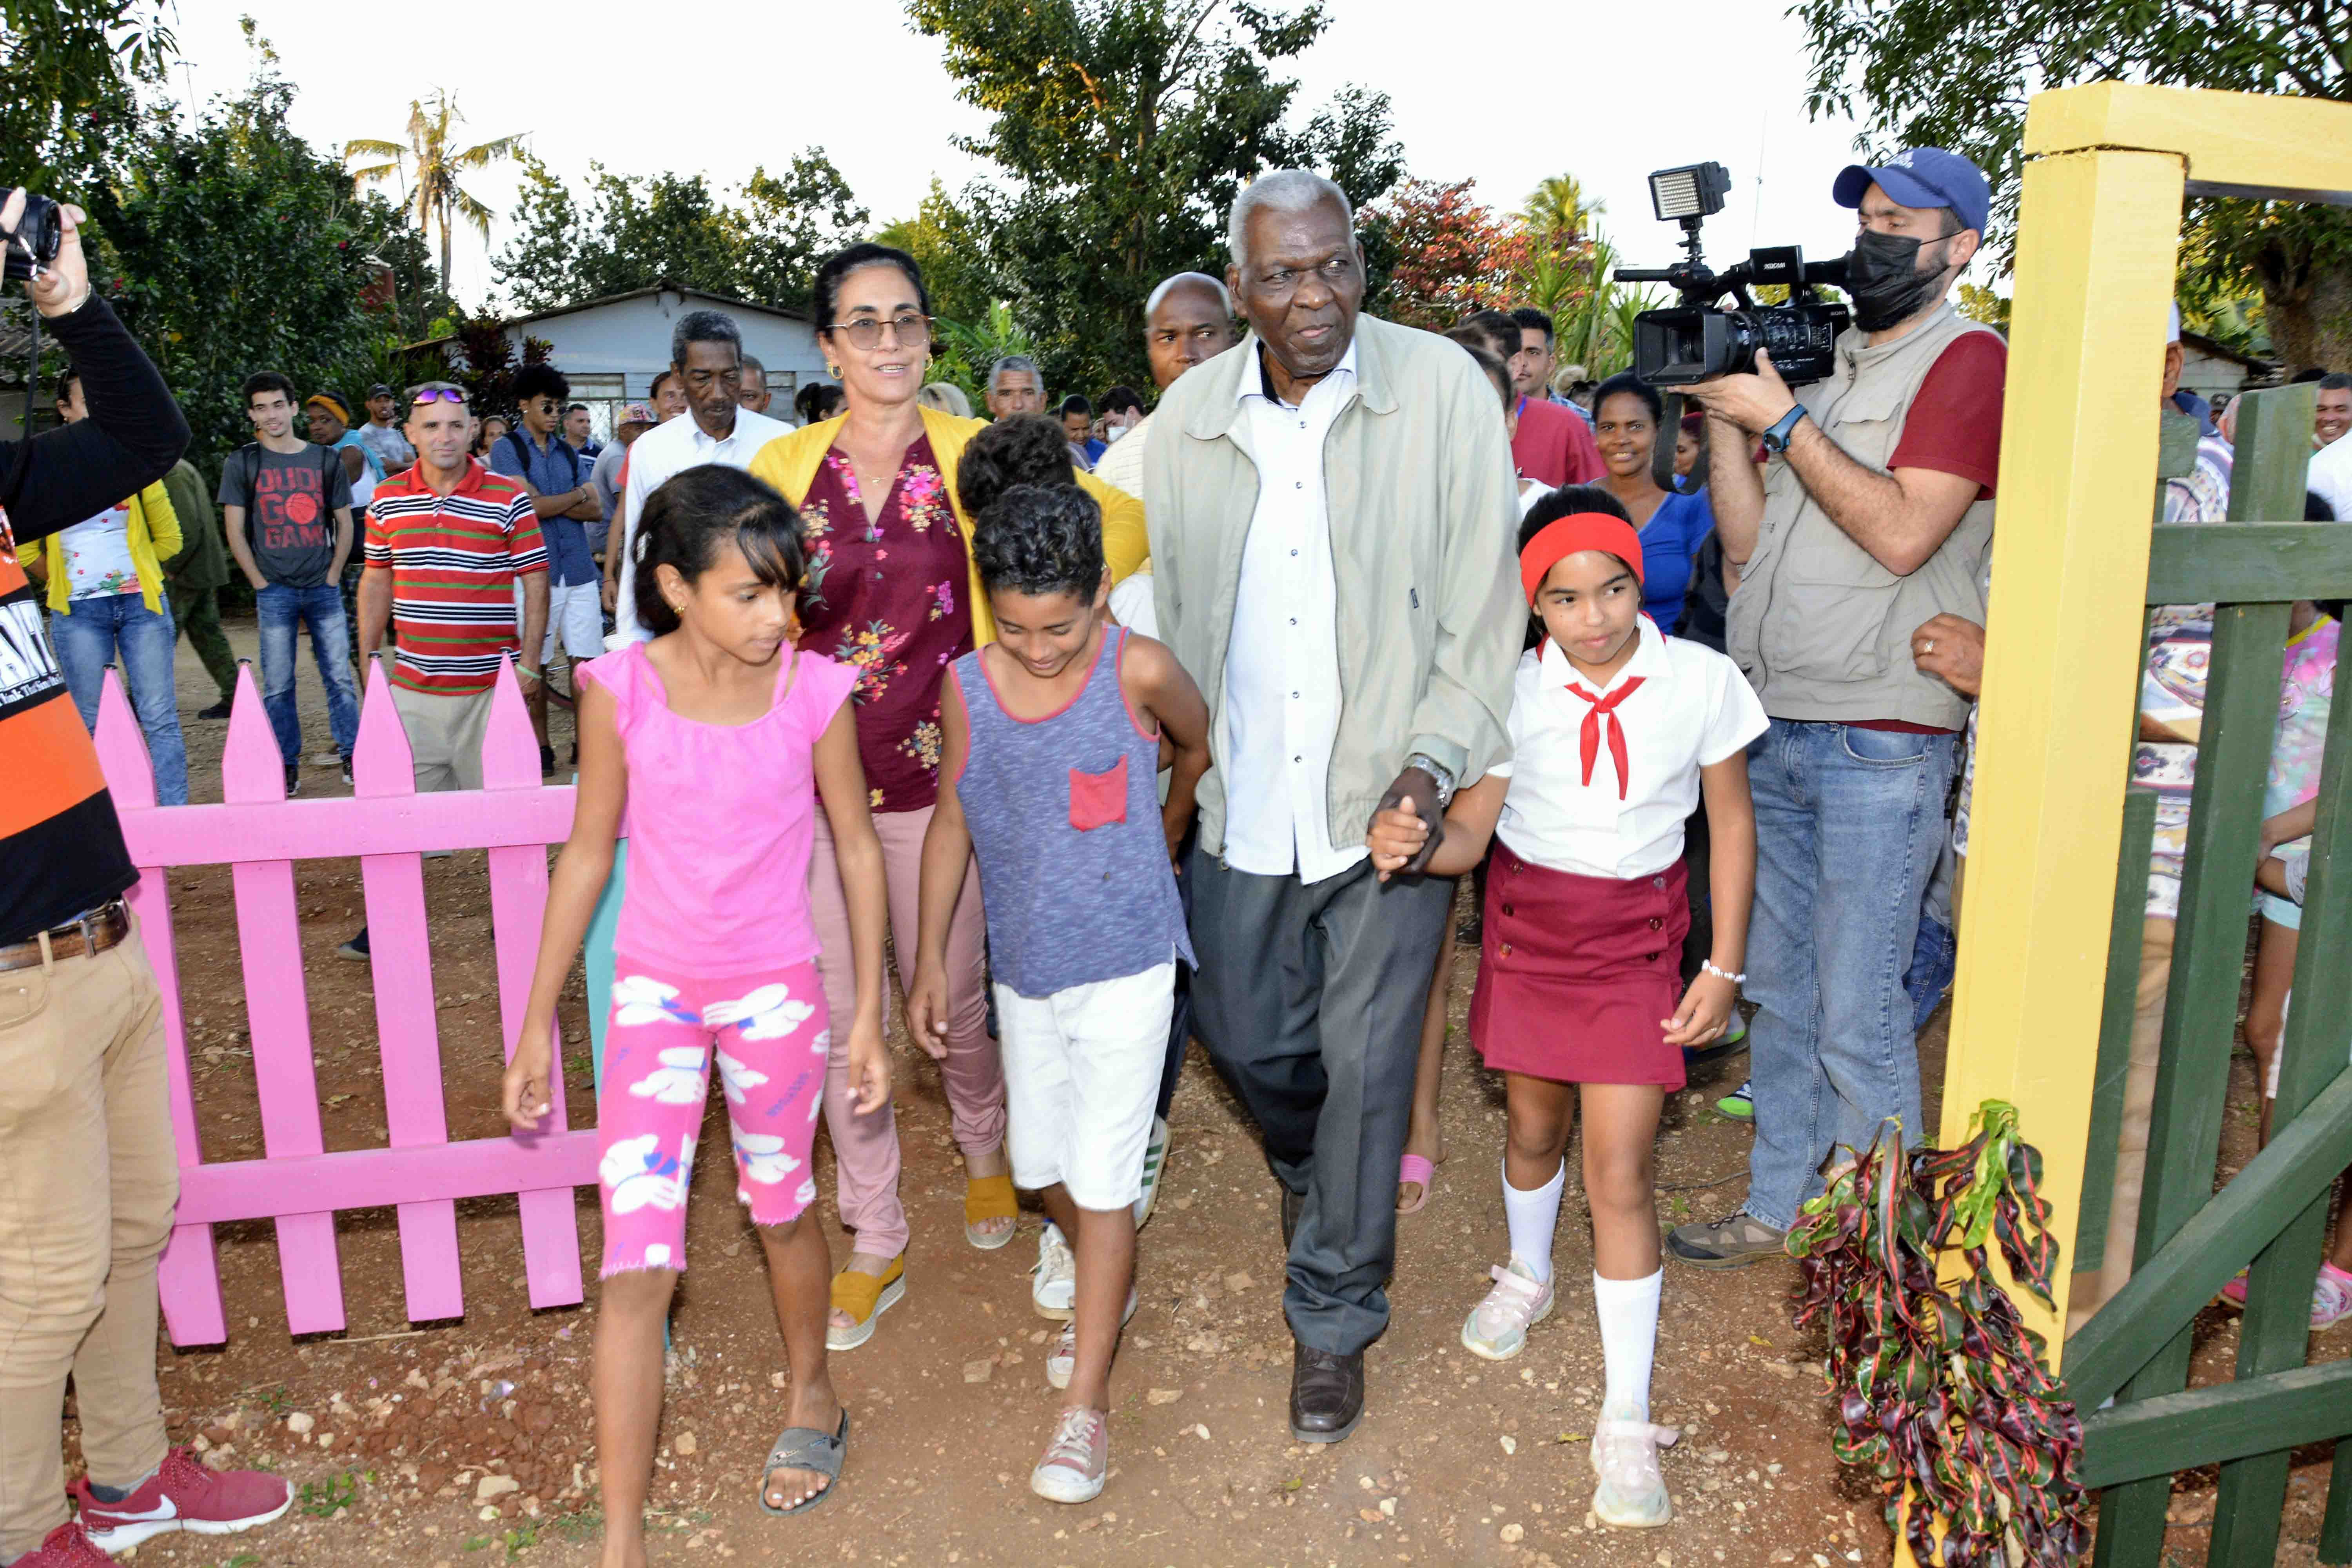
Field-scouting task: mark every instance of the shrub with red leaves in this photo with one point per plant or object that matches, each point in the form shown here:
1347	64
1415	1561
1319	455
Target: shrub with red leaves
1944	1394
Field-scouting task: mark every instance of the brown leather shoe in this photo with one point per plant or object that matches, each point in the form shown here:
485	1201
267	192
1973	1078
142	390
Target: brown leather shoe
1327	1395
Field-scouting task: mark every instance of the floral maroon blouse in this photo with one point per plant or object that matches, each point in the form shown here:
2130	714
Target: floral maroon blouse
888	597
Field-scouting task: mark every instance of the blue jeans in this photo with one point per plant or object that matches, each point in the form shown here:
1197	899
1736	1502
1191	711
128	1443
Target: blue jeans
1849	824
321	607
88	636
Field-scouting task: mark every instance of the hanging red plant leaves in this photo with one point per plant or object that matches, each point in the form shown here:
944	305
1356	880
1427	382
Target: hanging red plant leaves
1944	1394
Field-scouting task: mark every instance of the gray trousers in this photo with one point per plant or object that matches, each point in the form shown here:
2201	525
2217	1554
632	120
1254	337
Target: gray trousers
1309	999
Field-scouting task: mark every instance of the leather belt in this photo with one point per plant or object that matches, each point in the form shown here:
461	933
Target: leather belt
94	932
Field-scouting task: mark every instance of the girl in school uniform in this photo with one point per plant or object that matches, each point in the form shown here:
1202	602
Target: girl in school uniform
1616	733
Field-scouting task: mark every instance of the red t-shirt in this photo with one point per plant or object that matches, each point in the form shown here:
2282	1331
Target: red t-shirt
1954	426
1553	446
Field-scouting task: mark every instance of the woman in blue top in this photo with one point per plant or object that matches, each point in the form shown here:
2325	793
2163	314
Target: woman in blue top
1626	413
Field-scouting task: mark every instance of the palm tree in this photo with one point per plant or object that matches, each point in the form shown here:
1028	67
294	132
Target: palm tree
435	197
1557	209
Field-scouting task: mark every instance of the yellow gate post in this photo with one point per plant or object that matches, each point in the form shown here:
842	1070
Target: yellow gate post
2097	241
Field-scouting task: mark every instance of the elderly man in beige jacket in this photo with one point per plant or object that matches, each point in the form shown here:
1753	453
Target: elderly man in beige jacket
1332	514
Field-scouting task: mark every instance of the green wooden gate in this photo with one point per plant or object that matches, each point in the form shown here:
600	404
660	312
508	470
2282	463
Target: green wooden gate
2272	1215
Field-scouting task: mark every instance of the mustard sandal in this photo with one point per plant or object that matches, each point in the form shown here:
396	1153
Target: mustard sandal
986	1198
863	1297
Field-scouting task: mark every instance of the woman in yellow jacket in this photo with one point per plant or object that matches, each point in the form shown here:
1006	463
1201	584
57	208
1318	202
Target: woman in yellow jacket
892	590
106	597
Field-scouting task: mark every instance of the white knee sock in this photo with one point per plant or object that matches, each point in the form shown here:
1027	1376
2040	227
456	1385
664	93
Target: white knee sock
1533	1216
1629	1340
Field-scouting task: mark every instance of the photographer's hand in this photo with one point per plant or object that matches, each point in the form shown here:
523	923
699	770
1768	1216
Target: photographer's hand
1754	403
64	284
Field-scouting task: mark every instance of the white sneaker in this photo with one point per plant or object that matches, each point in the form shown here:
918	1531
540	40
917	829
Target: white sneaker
1063	1360
1076	1459
1497	1327
1155	1161
1633	1490
1053	1282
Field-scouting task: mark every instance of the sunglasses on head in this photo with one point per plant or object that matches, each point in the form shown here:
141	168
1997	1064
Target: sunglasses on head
438	394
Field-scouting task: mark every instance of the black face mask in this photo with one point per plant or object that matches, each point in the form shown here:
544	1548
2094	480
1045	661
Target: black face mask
1883	276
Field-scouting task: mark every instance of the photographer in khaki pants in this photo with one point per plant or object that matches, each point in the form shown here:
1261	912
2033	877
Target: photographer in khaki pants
88	1172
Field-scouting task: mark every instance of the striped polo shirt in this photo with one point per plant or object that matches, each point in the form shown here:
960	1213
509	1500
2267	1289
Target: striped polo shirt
454	561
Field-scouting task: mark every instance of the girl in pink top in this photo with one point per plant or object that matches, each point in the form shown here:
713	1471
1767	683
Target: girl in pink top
729	739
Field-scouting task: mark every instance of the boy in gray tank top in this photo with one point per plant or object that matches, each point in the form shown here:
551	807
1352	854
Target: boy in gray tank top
1052	746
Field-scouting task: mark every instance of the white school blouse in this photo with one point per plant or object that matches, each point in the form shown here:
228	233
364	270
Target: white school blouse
1692	710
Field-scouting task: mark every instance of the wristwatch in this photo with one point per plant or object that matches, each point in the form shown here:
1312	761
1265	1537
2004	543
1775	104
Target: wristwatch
1438	770
1776	438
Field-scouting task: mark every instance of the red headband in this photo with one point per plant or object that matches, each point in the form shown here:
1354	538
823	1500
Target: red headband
1579	530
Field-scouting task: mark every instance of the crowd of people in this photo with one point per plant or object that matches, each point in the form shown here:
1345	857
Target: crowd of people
1120	724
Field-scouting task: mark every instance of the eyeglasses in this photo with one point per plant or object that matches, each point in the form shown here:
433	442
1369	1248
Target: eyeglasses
912	331
438	394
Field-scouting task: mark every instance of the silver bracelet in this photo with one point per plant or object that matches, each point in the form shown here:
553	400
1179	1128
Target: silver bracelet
1708	965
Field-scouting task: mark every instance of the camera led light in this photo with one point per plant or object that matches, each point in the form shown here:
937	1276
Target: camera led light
1694	190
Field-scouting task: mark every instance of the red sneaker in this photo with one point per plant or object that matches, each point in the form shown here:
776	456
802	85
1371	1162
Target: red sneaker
67	1547
182	1495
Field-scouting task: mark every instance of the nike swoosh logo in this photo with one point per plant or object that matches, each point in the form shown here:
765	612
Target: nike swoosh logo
167	1508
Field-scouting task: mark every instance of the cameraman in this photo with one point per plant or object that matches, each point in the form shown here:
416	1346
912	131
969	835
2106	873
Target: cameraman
1871	515
88	1171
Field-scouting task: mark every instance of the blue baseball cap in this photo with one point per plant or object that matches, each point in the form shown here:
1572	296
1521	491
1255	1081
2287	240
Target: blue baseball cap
1921	177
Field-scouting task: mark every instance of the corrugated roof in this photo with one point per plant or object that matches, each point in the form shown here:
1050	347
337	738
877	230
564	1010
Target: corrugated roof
727	301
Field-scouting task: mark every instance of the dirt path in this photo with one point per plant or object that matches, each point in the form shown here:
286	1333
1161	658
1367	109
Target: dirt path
401	1439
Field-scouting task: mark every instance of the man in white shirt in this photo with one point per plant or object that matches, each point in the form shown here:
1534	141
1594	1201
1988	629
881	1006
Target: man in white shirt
2330	477
706	360
1188	320
1332	513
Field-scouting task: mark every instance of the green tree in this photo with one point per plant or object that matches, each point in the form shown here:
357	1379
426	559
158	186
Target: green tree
67	68
630	233
1124	129
1951	73
1559	210
233	246
433	193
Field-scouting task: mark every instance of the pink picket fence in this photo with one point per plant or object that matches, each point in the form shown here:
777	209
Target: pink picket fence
259	834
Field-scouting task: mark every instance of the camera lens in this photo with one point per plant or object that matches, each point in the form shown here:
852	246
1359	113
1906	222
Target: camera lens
40	230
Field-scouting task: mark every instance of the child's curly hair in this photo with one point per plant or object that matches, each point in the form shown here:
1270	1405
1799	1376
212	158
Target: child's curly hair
1022	450
1040	539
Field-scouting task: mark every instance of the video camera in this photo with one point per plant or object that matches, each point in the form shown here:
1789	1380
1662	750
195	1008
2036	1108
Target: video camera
1696	340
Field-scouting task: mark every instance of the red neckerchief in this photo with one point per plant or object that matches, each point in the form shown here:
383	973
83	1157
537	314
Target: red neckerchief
1589	735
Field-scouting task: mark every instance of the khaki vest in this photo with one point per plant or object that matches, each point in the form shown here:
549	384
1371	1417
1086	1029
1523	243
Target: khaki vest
1822	630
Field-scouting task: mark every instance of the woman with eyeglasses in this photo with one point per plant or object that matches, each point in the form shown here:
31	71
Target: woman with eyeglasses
891	590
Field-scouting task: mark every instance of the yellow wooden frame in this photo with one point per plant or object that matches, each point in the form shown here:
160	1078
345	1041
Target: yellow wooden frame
2108	167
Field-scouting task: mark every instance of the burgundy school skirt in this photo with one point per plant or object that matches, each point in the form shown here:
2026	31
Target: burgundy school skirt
1577	974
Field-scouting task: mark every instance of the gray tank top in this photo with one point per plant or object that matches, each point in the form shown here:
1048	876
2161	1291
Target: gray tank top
1065	818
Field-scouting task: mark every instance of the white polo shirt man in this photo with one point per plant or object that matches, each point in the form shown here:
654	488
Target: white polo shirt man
1282	665
668	448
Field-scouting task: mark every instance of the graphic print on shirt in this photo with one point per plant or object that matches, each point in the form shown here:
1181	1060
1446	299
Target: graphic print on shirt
27	670
290	507
97	556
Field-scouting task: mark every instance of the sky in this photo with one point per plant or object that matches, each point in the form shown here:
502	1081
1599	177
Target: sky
596	81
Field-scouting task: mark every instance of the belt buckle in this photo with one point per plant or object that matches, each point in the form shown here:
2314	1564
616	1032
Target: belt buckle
88	922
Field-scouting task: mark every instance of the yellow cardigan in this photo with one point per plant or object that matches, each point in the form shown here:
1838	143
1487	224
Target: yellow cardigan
153	531
789	463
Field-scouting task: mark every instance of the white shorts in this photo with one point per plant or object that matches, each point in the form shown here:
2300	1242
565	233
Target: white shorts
576	612
1081	1081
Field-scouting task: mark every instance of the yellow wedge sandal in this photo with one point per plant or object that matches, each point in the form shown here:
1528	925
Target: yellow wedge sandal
863	1297
986	1198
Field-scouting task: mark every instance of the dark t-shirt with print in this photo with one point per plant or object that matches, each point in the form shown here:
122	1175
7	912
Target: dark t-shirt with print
289	500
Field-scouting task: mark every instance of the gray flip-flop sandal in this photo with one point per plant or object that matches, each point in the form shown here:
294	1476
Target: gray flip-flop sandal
806	1449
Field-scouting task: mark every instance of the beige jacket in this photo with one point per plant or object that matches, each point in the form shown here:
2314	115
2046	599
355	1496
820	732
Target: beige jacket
1425	524
1820	628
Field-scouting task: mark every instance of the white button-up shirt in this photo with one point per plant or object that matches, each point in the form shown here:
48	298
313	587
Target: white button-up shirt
1693	709
1281	712
666	449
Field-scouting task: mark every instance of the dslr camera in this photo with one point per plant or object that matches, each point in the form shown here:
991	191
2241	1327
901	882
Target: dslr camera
1697	340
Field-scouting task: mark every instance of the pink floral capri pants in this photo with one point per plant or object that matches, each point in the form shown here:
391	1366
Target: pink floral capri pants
770	1033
